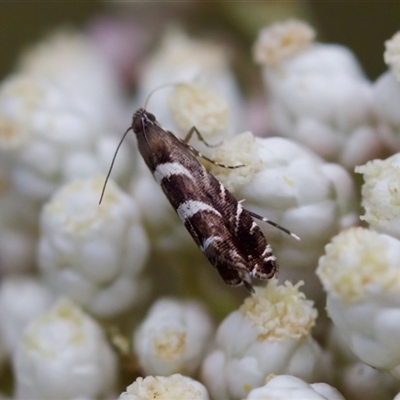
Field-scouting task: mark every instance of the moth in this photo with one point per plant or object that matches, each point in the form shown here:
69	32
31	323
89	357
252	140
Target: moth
224	231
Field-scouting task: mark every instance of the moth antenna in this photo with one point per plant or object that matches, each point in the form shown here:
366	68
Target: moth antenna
112	164
157	89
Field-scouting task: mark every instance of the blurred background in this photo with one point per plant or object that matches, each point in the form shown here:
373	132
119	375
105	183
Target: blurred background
361	26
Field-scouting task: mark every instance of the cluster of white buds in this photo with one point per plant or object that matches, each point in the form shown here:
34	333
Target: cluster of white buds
173	337
51	139
59	112
73	62
174	387
63	354
318	94
290	185
361	274
17	310
58	116
205	65
381	194
193	105
93	253
269	334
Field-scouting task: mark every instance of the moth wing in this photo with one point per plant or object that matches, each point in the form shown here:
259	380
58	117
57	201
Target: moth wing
261	260
217	244
230	264
247	236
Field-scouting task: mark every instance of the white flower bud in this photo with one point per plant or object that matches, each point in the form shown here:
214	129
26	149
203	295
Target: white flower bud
53	139
192	105
173	337
361	274
93	253
64	355
392	54
174	387
287	387
358	261
270	333
381	194
319	95
72	61
281	40
20	97
21	300
290	185
181	59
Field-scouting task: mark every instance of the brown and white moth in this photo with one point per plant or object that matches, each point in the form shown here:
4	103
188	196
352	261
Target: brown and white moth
224	231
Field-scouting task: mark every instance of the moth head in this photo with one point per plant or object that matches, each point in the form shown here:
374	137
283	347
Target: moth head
142	119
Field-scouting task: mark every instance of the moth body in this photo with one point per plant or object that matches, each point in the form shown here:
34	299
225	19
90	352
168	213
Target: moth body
224	231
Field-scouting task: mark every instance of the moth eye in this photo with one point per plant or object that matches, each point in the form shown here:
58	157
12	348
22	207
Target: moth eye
137	124
151	117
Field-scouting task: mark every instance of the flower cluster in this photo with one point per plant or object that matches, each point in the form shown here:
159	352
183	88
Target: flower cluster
318	94
103	291
269	333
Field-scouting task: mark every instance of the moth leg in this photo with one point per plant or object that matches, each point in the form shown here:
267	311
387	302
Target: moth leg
254	215
189	135
198	154
192	130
